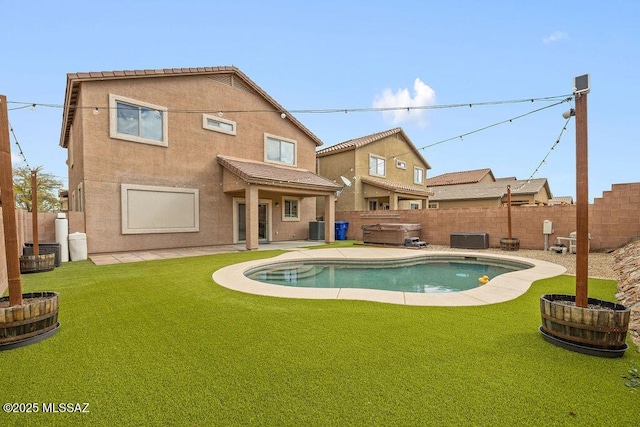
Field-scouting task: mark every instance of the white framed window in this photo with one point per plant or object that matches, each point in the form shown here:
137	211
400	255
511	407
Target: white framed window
151	209
291	209
400	164
218	124
376	165
418	175
280	150
137	121
433	205
373	205
414	205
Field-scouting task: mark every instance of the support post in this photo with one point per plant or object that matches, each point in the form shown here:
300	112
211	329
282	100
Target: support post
329	218
34	212
582	202
9	208
509	210
252	217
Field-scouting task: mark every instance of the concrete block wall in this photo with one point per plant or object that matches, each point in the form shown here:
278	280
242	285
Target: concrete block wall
614	221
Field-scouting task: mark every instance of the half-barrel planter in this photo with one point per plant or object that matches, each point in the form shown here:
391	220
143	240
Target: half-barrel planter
33	320
600	329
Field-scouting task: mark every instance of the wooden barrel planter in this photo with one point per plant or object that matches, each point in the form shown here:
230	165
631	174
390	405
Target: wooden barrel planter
37	263
599	329
35	319
507	244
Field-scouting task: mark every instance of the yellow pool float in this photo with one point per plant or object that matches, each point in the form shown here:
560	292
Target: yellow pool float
483	280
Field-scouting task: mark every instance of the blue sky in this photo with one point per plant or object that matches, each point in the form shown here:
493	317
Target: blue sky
359	55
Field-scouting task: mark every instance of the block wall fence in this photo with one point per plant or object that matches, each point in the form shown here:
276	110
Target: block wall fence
614	221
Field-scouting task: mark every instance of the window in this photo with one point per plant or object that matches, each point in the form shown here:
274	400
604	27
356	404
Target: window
279	150
218	124
290	209
433	206
137	121
413	205
400	164
373	205
418	175
80	199
150	209
376	165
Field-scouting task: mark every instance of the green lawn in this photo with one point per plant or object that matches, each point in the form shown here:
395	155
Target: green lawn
158	343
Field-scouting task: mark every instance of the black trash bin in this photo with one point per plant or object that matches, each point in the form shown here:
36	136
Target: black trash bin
44	248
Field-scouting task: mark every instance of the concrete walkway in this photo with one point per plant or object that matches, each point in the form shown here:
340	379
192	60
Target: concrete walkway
137	256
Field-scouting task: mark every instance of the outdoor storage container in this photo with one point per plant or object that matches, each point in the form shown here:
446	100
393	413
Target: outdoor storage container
78	246
469	240
390	233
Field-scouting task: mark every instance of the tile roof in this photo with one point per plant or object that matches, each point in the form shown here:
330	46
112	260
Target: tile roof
262	173
352	144
75	79
397	187
487	190
464	177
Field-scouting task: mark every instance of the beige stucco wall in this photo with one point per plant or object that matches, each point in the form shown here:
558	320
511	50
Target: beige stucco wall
102	164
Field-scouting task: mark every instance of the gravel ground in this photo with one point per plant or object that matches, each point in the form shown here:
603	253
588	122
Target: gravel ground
600	264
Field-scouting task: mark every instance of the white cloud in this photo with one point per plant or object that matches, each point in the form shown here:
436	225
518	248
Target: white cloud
555	36
406	103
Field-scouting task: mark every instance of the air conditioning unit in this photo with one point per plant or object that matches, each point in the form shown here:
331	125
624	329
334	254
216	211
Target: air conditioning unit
469	240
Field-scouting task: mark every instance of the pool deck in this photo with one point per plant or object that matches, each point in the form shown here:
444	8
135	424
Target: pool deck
500	289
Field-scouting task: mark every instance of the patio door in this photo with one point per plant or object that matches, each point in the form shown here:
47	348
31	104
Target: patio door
240	219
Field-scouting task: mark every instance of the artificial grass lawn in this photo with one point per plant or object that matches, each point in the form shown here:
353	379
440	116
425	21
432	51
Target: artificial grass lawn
158	343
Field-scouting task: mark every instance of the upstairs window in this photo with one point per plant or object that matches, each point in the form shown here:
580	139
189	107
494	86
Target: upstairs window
218	124
376	165
279	150
418	176
137	121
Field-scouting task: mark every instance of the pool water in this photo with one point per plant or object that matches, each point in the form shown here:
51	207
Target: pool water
424	276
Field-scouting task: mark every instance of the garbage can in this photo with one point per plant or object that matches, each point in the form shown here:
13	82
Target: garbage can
78	246
44	248
341	230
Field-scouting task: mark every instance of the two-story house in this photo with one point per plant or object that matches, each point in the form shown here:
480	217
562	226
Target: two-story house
382	171
187	157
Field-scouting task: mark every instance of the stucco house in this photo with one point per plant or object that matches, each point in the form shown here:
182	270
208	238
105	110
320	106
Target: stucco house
187	157
480	188
384	170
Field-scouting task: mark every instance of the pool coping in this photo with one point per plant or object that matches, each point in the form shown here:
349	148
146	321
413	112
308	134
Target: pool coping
503	288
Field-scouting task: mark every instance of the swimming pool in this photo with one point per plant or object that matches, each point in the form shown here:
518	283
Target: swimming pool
421	275
502	288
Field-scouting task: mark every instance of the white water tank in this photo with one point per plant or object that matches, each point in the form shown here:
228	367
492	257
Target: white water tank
62	235
78	246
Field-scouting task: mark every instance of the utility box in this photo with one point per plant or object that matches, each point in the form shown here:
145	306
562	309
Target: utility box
316	230
547	227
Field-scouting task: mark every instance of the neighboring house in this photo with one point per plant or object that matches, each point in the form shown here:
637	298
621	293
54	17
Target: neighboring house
385	171
561	200
490	194
464	177
187	157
